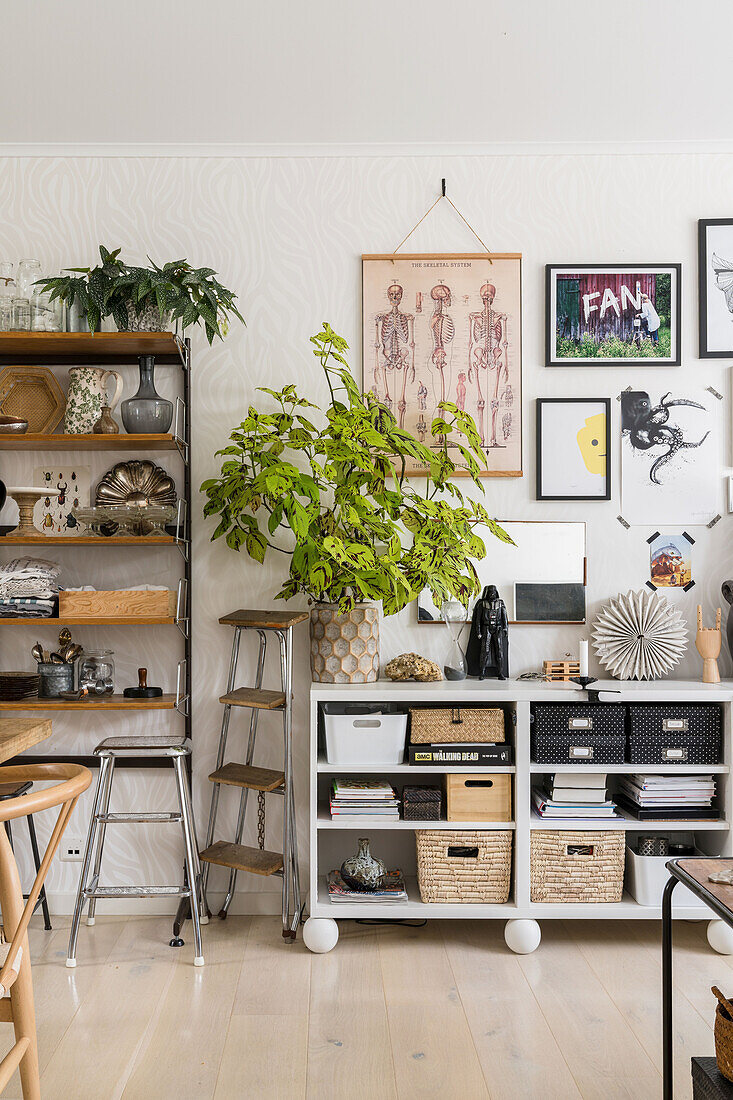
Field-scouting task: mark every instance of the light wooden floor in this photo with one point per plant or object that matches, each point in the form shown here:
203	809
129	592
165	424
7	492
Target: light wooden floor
442	1011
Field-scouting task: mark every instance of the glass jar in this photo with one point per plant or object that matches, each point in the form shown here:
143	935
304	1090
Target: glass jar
97	672
21	315
29	271
43	312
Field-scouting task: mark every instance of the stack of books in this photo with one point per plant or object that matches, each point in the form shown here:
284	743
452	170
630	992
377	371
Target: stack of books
392	890
364	800
575	796
665	797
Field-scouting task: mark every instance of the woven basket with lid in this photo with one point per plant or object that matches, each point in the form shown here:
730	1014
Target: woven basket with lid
455	725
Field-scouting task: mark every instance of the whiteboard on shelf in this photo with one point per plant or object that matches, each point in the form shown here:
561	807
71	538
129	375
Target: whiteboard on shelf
549	553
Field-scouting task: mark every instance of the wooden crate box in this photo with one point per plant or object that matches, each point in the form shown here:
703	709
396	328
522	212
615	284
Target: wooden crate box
473	797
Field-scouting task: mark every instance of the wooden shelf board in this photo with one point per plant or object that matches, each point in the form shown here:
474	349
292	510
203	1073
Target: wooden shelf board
325	821
94	702
103	348
627	769
74	620
90	540
625	909
626	821
41	441
410	769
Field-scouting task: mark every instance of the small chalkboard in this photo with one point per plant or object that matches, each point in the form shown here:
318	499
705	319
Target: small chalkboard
543	602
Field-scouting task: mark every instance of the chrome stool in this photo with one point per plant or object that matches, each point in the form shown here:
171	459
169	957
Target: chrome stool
177	749
16	790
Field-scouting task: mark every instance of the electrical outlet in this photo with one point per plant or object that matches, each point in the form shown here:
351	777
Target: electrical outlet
71	849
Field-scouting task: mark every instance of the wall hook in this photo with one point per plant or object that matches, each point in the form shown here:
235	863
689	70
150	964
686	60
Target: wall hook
443	187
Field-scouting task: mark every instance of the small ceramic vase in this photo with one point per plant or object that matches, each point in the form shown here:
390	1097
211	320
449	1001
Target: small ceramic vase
363	871
106	425
87	394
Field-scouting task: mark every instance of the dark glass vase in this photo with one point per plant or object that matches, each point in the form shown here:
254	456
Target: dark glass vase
147	412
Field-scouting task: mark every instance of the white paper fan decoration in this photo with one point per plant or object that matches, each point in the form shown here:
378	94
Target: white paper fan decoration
639	636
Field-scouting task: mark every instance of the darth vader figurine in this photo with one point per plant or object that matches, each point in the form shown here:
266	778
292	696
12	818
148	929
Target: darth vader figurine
487	654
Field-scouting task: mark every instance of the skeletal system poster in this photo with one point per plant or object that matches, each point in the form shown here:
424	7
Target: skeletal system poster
448	328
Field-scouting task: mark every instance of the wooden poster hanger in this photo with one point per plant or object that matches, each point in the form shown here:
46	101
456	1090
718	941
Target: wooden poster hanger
441	196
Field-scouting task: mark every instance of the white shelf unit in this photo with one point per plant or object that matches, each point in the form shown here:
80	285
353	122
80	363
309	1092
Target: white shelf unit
332	841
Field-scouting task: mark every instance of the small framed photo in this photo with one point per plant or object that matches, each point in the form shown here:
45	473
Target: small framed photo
573	448
613	315
715	280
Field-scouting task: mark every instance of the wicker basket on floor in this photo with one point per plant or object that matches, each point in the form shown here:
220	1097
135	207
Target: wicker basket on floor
454	725
723	1035
576	866
464	866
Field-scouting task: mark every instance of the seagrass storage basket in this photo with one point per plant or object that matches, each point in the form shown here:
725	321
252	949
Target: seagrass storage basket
567	866
464	866
453	725
723	1035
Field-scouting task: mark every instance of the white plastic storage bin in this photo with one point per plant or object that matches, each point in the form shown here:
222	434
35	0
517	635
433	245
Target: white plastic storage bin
646	877
367	734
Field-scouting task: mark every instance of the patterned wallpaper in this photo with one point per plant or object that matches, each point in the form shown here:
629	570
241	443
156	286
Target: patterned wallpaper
287	234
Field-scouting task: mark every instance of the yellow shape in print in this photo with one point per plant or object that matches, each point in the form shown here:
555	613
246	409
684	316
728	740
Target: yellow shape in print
592	443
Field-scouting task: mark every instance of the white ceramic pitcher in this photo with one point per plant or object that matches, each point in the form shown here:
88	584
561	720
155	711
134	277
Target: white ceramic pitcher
87	393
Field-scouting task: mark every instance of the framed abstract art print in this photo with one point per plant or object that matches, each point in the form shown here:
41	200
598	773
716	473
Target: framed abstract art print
573	448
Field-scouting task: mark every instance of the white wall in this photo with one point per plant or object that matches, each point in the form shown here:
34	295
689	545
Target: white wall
287	234
334	71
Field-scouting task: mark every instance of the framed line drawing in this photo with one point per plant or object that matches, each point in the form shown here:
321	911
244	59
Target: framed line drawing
613	315
573	437
442	327
715	287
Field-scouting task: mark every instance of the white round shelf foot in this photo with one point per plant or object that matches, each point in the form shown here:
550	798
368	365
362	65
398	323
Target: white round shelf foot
90	921
720	937
71	963
522	936
320	934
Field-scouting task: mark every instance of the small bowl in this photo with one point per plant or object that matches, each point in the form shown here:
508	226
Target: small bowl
12	425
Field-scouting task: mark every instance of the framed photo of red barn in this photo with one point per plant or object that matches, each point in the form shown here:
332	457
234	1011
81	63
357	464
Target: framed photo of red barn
613	314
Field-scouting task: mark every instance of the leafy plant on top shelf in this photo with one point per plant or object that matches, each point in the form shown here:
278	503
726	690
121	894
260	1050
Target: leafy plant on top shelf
333	497
185	294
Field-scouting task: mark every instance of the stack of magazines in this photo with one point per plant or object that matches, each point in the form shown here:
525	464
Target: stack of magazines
668	796
364	800
392	890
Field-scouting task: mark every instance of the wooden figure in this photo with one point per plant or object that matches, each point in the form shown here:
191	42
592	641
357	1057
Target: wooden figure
708	642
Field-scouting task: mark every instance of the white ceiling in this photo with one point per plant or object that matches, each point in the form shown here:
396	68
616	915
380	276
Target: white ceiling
473	73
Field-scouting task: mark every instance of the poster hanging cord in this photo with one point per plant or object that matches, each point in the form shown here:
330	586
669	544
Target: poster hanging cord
443	195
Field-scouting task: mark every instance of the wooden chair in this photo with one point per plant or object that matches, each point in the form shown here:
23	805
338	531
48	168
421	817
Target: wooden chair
16	984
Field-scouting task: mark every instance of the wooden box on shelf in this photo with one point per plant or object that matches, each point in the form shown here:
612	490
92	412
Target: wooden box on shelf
560	671
159	604
479	797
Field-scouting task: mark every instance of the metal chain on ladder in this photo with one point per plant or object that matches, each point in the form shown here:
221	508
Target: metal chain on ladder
261	819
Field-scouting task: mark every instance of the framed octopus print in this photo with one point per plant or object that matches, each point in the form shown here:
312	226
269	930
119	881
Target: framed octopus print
447	328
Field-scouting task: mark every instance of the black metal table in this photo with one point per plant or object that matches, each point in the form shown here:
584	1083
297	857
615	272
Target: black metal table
693	873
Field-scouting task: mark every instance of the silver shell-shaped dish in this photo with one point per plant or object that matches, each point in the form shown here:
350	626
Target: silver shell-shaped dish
136	482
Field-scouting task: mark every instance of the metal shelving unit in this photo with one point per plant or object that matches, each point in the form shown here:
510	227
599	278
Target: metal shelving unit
118	349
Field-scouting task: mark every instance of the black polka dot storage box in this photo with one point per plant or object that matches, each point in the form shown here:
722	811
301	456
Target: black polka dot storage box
578	733
674	733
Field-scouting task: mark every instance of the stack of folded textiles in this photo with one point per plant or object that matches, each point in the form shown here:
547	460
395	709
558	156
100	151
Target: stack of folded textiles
29	587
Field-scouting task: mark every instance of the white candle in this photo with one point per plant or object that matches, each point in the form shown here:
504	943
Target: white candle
584	657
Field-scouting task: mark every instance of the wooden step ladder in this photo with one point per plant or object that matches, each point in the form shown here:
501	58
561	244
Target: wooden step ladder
249	777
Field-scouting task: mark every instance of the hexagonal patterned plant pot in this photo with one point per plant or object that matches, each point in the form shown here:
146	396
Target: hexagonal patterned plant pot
344	648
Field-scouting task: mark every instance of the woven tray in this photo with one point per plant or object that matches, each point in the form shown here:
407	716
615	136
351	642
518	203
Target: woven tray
33	394
455	725
563	870
483	874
